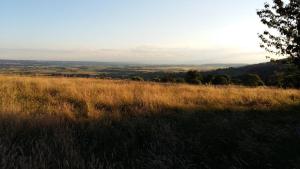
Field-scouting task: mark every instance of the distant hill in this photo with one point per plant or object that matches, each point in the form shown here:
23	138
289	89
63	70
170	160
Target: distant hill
264	70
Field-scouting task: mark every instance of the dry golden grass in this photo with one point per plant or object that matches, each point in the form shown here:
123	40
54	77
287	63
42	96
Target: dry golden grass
98	98
204	126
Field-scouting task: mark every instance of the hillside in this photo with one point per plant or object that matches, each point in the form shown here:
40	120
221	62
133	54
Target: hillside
119	124
264	70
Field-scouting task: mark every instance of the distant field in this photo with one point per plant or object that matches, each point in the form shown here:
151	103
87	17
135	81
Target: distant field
99	69
79	123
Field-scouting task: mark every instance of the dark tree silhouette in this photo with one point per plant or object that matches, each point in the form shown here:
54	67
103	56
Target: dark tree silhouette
193	77
221	80
251	80
283	36
137	78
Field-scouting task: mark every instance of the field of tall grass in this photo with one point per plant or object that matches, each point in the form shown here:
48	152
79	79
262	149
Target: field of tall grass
83	98
91	123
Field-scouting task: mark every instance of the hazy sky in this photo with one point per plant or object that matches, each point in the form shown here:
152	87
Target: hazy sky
149	31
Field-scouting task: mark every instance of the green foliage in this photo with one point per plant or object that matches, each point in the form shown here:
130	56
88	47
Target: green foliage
208	79
287	78
221	80
277	79
168	78
137	78
193	77
251	80
156	79
292	81
180	80
282	17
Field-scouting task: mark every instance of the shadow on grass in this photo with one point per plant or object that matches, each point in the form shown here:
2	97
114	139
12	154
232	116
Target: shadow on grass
216	139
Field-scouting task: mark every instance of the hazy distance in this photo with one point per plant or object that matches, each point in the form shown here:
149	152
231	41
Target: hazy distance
168	32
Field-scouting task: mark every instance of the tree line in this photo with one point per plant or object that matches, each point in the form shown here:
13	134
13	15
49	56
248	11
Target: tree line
290	79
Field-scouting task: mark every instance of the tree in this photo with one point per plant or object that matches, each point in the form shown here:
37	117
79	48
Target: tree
168	78
180	80
292	81
251	80
288	79
276	79
137	78
283	36
208	78
221	80
156	79
193	77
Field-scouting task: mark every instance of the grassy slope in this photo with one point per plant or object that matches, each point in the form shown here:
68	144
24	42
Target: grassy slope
87	123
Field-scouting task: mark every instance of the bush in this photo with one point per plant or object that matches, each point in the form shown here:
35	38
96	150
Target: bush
221	80
276	79
289	78
180	80
195	81
156	79
193	77
208	79
137	78
251	80
168	78
292	81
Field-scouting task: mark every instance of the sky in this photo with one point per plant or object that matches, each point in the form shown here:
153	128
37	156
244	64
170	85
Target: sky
141	31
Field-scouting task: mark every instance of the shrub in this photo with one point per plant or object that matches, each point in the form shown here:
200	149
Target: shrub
221	80
195	81
193	77
156	79
276	79
180	80
208	79
168	78
251	80
292	81
137	78
287	78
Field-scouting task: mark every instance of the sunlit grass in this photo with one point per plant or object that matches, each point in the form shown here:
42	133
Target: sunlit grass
91	123
77	97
